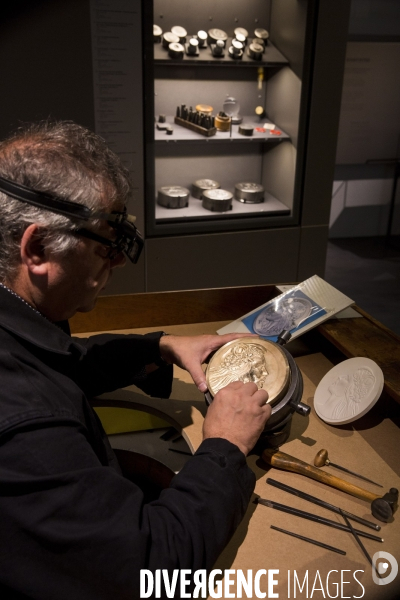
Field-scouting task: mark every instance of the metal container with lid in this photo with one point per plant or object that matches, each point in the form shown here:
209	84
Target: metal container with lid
173	196
249	193
201	185
246	130
222	122
217	200
271	367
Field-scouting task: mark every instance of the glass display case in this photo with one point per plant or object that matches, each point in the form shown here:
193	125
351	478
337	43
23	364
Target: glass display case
235	72
228	123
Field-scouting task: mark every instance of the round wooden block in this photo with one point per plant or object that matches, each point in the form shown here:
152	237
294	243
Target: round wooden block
348	391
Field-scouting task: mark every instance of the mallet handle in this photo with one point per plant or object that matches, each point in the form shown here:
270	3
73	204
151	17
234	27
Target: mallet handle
284	461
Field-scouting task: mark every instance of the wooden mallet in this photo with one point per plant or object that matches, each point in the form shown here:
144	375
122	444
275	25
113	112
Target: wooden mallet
382	507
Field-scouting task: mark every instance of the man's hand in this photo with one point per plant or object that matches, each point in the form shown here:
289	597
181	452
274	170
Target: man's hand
190	352
238	414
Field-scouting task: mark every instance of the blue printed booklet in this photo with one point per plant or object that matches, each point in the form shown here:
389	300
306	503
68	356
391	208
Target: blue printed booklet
296	310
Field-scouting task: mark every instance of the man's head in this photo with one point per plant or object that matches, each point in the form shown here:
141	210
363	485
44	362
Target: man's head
40	251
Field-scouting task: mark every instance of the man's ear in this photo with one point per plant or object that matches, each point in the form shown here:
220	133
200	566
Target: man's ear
33	251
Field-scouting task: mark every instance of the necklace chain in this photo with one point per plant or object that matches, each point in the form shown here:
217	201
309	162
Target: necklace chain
22	300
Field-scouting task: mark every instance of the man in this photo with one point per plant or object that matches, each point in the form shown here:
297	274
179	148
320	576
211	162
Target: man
71	526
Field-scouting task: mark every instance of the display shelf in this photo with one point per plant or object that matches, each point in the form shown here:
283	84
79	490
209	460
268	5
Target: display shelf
195	211
181	134
270	58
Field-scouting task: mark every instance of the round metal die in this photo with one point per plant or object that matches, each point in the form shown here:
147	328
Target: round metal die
173	196
217	200
242	32
259	41
215	35
169	38
249	359
256	51
246	130
202	37
157	33
262	34
249	193
194	44
176	50
240	38
201	185
180	32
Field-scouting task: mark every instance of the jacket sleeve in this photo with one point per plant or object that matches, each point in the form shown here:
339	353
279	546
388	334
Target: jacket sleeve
113	361
77	529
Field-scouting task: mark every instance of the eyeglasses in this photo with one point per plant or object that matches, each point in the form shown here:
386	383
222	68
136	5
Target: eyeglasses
114	248
128	238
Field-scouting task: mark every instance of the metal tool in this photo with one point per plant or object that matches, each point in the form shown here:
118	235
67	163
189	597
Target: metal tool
322	460
317	519
311	541
314	500
382	507
359	542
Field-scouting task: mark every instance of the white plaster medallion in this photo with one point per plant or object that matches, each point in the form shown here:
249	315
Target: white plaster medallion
348	391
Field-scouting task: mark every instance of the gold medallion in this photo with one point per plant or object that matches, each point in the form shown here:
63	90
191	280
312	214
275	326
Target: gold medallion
250	359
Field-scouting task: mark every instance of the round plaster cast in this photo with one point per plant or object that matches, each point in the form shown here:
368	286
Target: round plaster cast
348	391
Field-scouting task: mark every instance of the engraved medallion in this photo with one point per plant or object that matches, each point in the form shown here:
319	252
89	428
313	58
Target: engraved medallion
348	391
287	315
250	359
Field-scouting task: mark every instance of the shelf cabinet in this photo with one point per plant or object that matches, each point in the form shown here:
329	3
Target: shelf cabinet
283	83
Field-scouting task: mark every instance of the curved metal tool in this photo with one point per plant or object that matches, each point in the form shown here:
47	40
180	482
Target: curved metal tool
322	460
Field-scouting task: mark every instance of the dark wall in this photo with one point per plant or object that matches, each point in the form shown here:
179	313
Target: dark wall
46	65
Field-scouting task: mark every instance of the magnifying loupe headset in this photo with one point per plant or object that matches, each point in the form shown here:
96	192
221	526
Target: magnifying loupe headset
128	238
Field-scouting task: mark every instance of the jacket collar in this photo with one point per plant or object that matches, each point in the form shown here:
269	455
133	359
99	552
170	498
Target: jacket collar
24	321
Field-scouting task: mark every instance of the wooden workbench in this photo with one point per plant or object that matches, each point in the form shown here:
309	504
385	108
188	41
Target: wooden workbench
370	445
